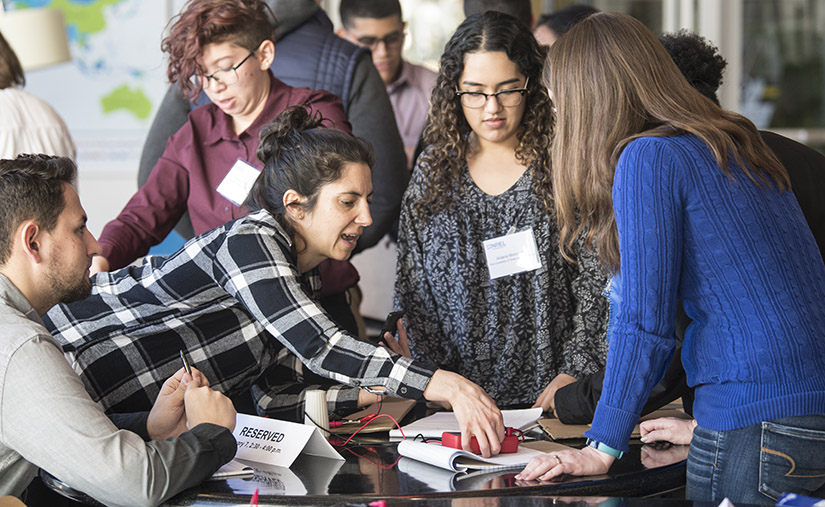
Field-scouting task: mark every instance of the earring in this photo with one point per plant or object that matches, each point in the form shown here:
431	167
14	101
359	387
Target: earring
295	210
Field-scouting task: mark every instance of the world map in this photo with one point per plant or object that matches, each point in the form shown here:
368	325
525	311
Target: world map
109	92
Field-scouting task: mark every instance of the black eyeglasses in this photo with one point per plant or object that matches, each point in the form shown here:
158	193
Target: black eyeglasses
507	98
227	76
392	40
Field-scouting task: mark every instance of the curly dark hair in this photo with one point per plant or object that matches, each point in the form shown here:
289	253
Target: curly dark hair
698	60
245	23
446	136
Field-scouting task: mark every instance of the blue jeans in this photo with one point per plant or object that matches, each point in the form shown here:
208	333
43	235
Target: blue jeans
756	464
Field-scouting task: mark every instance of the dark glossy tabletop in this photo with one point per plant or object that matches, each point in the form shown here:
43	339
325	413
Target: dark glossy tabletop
373	471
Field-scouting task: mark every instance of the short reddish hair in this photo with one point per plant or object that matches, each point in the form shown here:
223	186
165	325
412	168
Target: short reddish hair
245	23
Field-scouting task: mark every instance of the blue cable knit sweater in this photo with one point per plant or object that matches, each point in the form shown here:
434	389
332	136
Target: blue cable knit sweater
745	263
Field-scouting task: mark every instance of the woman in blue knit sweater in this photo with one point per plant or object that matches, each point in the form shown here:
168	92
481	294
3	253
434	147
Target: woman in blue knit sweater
684	200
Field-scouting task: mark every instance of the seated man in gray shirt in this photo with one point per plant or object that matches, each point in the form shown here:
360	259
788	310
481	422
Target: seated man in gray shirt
47	419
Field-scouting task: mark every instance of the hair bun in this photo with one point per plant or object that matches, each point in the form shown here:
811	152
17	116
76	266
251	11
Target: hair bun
285	131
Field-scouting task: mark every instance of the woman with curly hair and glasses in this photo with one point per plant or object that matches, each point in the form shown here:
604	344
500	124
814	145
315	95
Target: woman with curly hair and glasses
223	48
480	277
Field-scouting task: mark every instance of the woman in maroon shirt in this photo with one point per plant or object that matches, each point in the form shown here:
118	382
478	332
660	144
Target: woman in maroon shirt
224	48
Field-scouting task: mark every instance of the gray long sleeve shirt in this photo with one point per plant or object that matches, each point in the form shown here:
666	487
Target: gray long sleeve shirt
47	420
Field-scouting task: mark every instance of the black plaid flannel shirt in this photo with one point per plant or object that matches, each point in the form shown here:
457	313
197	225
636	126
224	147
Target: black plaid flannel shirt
235	301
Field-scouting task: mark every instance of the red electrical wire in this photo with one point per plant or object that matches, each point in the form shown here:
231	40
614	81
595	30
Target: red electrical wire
376	416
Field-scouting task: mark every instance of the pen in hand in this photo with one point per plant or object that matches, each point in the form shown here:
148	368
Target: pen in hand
186	367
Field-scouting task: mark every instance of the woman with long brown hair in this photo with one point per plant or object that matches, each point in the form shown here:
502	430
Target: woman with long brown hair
485	290
684	200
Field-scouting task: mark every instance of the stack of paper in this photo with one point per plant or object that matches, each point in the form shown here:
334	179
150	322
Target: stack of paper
433	426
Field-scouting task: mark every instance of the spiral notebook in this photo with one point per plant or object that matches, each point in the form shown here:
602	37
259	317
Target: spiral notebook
459	460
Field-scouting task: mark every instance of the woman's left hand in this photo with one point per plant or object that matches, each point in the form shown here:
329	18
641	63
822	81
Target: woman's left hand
399	346
587	461
668	429
547	399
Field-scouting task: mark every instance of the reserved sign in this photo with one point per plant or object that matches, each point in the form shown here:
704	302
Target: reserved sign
277	442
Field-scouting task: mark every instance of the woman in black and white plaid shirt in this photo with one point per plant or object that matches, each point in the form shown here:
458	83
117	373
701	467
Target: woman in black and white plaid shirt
240	298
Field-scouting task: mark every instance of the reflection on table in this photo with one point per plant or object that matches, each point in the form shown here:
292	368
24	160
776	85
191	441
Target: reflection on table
374	470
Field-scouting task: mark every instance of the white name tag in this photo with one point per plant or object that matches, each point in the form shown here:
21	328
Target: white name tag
511	254
277	442
238	182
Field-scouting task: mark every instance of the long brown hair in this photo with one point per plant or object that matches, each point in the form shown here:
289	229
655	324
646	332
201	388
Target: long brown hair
612	81
11	72
446	135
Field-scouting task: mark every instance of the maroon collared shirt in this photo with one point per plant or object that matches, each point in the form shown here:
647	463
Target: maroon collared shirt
196	160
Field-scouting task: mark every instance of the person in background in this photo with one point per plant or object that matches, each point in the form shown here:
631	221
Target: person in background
27	123
485	179
47	419
310	54
519	9
550	27
702	65
237	297
224	48
684	200
379	26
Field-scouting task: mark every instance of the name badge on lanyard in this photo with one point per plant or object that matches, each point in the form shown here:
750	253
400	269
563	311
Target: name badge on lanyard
238	182
512	253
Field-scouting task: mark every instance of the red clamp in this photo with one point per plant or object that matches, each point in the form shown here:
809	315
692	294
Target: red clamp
512	438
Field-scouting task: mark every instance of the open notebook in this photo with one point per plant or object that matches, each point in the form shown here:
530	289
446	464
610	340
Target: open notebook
446	479
439	479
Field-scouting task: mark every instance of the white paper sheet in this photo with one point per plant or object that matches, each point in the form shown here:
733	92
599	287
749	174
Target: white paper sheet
433	426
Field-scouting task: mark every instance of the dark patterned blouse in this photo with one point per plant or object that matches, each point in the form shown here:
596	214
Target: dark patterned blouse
511	335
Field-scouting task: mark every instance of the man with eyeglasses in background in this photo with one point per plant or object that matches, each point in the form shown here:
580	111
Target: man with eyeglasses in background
378	25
